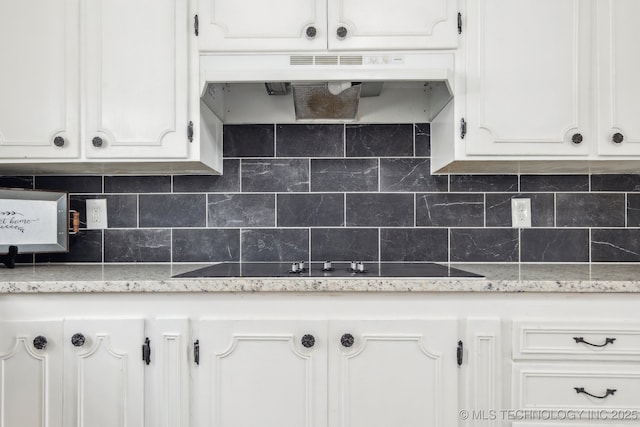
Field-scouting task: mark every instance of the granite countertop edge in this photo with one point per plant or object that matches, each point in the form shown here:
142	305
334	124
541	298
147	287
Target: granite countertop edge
158	279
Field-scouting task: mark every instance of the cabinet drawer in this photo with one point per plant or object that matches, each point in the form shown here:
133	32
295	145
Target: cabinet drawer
579	341
544	386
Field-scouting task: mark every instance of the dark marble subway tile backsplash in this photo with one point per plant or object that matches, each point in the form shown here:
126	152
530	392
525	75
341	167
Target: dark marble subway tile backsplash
241	210
311	210
450	210
590	210
275	175
554	245
172	210
205	245
71	184
484	245
554	183
345	192
379	140
344	175
227	182
484	183
309	140
137	184
406	175
248	141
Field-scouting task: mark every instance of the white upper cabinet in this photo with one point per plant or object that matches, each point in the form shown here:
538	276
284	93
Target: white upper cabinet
39	84
618	90
136	75
400	24
528	77
308	25
102	87
228	25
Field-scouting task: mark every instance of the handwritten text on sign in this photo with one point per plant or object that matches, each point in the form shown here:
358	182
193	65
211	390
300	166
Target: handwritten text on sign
25	222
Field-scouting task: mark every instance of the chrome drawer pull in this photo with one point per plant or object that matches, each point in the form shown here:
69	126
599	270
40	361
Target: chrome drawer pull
610	391
607	341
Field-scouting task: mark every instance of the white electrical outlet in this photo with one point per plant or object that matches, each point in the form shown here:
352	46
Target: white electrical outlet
521	212
96	214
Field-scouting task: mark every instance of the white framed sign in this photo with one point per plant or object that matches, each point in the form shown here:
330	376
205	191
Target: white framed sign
34	221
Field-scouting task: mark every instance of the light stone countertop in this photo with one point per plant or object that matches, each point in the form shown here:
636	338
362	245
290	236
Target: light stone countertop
69	278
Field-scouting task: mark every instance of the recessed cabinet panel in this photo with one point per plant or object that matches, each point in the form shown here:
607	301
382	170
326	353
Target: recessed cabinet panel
386	373
136	68
576	341
255	25
39	79
30	374
618	88
262	373
528	77
104	372
401	24
571	387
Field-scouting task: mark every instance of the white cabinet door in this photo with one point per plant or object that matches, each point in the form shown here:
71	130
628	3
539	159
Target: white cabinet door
392	372
258	25
104	375
167	382
39	79
31	377
618	88
136	78
262	373
400	24
528	80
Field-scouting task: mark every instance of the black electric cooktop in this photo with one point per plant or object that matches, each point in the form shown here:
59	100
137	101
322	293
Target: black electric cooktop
337	269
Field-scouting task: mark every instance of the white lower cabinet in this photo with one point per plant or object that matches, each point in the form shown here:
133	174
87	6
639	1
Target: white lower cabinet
31	379
352	373
392	372
89	372
576	370
104	372
262	372
319	360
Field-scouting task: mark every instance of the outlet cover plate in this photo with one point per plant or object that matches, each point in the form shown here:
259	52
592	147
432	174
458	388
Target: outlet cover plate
96	214
521	212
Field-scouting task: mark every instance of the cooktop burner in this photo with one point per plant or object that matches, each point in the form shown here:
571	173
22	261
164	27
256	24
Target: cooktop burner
335	269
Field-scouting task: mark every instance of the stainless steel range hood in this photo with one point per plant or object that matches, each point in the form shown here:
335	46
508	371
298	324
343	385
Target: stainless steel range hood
375	87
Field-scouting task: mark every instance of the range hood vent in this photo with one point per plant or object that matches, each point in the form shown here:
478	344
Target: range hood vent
374	87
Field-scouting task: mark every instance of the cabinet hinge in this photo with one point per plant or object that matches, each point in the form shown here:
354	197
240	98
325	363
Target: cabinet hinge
463	128
190	131
460	352
196	25
459	23
146	351
196	352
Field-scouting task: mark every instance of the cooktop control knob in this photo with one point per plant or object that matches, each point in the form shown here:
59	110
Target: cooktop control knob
326	266
295	268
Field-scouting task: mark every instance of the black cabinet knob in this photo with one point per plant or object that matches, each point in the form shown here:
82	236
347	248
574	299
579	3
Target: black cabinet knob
77	340
97	141
347	340
58	141
576	138
342	32
308	341
617	138
40	342
311	32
